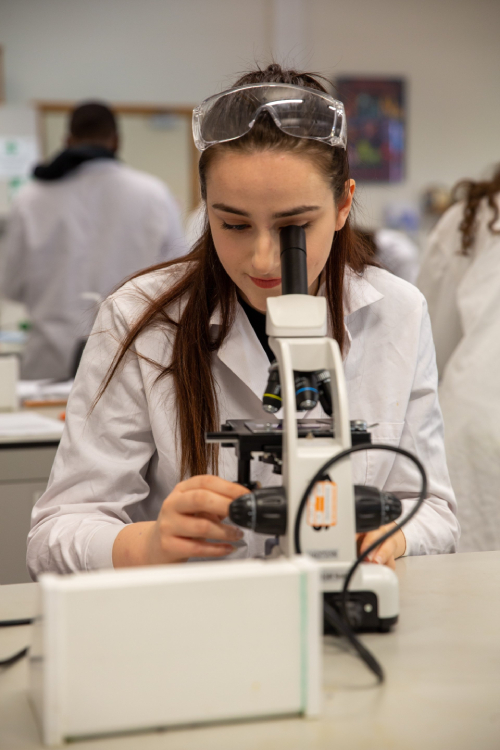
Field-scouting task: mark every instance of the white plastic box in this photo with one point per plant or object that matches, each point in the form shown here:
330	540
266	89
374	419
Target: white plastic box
146	648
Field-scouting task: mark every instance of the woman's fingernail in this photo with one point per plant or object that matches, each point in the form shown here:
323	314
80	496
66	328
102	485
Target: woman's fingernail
378	560
237	534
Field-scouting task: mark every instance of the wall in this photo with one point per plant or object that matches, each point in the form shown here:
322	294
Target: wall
179	51
449	51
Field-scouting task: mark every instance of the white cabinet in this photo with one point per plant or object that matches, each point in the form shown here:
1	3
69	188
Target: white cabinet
24	472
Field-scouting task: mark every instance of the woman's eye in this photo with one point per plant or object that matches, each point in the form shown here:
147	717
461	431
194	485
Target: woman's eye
238	227
302	226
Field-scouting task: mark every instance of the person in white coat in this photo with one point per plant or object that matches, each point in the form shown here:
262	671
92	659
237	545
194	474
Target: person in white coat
460	277
180	349
86	222
395	251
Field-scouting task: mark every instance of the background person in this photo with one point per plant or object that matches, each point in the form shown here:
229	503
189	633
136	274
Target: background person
460	277
174	353
86	222
394	250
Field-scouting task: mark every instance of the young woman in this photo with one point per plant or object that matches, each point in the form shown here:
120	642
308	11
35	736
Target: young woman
181	348
460	277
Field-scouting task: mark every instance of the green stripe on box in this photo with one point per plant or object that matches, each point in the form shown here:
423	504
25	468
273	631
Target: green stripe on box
303	641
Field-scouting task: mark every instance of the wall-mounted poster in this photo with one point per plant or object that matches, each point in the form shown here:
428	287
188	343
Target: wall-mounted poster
375	109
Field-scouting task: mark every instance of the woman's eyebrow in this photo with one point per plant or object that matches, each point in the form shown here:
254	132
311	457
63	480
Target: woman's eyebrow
229	209
280	215
295	211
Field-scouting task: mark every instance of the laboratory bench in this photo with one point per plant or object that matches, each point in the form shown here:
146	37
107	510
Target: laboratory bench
442	665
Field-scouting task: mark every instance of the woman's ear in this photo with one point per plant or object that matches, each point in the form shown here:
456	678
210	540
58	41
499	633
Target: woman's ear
345	207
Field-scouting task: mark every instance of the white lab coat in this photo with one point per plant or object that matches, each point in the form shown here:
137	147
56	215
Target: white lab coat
71	242
463	293
117	464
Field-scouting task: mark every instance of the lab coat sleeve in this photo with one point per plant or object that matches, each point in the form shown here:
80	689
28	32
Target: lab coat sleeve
101	464
435	528
13	270
175	243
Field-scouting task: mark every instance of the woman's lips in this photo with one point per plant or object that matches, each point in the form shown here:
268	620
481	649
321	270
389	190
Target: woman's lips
266	283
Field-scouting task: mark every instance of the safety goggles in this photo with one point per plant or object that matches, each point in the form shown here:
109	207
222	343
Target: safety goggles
297	111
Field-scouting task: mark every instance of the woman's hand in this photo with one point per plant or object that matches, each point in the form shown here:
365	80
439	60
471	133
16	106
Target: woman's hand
388	552
189	516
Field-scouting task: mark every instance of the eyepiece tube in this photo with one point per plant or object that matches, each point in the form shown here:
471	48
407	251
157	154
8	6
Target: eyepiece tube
293	260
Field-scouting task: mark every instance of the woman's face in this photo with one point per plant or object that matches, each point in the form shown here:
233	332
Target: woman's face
250	197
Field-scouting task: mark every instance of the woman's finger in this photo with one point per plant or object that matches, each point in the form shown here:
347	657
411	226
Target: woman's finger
200	528
214	484
396	542
200	500
183	549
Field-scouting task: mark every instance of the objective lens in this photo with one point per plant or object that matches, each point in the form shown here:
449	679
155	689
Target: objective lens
271	400
306	390
325	391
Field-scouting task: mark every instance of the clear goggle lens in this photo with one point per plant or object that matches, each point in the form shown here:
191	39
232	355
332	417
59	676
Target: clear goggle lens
297	111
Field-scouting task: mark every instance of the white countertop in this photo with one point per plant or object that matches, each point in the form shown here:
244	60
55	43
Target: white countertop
442	664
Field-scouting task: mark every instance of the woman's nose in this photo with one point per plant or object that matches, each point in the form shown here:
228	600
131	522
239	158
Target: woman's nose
266	255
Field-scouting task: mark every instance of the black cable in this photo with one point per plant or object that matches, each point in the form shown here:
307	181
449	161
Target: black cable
346	629
336	621
12	659
15	623
15	657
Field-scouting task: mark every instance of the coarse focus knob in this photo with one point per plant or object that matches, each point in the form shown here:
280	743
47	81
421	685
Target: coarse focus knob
375	508
263	510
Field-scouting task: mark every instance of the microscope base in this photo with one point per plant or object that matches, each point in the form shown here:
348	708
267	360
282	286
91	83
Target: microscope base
373	594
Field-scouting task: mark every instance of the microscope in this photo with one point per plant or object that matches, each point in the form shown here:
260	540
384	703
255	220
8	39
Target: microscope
316	512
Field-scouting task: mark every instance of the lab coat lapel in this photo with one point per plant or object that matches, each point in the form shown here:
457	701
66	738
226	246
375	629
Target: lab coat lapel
243	353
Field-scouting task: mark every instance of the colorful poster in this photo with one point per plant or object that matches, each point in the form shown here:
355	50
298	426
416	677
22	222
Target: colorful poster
375	109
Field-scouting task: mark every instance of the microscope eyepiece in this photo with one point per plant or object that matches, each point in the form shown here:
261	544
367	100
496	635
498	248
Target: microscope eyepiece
293	260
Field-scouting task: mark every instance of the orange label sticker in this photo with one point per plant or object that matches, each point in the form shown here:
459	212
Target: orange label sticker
322	505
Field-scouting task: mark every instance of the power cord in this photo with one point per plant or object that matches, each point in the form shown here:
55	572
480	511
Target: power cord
15	657
341	623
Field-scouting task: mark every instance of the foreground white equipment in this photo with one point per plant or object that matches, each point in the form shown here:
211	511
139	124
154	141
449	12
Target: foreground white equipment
146	648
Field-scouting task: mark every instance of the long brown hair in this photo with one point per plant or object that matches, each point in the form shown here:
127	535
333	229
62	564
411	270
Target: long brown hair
204	285
473	193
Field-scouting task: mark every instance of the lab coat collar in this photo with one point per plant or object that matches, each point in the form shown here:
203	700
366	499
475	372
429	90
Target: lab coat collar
358	292
243	353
